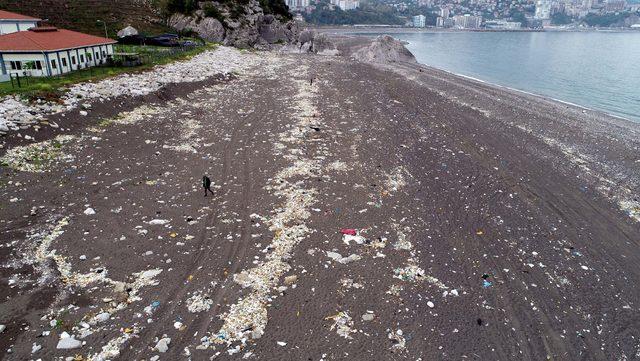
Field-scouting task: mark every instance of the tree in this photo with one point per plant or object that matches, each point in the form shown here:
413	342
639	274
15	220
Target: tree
560	19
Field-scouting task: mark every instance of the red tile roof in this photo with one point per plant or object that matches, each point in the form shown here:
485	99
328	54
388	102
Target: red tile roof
7	15
48	39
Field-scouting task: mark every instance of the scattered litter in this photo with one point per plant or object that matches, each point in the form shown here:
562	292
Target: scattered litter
158	222
289	280
349	231
344	260
342	323
398	342
485	281
68	342
199	303
163	345
347	239
368	317
411	273
89	211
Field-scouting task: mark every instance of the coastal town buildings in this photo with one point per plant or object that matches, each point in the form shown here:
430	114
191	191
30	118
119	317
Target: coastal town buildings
615	5
419	21
12	22
47	51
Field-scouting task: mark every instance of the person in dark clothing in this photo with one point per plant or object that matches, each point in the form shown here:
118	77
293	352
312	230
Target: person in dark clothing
206	183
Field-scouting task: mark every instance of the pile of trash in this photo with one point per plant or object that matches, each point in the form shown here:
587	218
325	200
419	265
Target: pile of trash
342	323
17	113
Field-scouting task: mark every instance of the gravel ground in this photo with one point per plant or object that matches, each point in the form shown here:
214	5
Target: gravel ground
372	214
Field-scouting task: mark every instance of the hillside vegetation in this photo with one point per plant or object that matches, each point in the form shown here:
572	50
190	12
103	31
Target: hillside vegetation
84	15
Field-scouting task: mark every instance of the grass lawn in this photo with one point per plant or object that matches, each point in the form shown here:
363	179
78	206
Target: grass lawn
47	87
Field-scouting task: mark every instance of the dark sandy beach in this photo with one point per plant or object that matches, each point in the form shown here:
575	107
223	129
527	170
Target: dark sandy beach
495	225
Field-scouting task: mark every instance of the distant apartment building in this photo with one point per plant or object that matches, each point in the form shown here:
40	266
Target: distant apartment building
444	22
12	22
426	3
297	5
543	10
502	25
348	4
467	21
444	12
419	21
615	5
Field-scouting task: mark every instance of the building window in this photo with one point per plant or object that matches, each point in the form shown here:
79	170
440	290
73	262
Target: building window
89	57
64	61
81	58
38	65
53	64
16	65
97	55
104	53
73	60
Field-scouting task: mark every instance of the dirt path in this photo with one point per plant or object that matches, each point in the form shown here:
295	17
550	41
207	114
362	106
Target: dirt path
482	238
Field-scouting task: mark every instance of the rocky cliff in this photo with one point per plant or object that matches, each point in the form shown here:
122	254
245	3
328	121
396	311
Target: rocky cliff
242	24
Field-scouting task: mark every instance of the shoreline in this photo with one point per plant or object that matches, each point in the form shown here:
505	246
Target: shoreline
351	29
505	87
542	96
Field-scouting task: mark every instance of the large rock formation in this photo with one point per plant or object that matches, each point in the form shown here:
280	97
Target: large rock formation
209	29
384	49
242	26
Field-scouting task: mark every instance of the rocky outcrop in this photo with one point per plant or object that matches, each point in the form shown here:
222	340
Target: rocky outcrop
384	49
253	28
209	29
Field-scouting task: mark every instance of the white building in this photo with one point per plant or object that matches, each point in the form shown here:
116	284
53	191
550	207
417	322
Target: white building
50	51
12	22
419	21
348	4
297	4
543	10
467	21
503	25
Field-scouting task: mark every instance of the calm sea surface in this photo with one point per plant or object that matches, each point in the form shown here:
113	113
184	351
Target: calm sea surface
592	69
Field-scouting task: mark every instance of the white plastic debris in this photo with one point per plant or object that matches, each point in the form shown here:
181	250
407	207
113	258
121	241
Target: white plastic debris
163	345
68	342
158	222
89	211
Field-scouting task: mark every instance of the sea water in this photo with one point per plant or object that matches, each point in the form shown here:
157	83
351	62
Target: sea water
598	70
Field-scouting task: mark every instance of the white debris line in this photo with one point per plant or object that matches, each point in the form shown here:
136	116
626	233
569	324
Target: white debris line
611	190
42	253
248	316
16	112
411	272
396	180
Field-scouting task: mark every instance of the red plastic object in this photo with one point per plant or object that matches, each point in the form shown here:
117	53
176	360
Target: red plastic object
349	231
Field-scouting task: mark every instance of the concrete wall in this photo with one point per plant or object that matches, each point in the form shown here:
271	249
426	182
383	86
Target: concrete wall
58	62
11	26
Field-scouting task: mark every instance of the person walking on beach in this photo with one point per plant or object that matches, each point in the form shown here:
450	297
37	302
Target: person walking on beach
206	183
